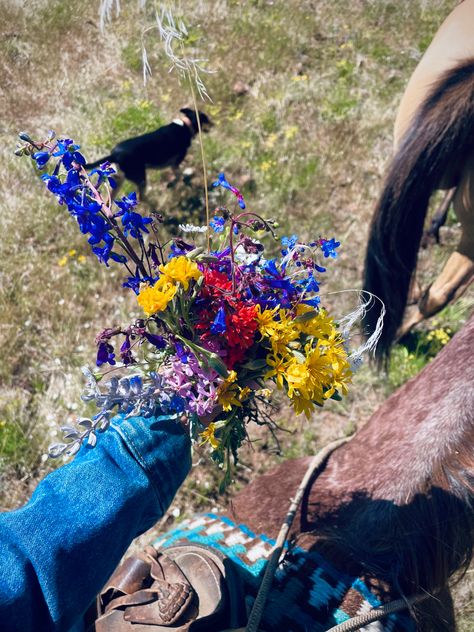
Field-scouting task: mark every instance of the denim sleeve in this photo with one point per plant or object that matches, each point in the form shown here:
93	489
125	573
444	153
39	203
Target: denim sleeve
57	551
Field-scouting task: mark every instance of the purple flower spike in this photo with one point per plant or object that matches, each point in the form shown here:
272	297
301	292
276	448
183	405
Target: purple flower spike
222	182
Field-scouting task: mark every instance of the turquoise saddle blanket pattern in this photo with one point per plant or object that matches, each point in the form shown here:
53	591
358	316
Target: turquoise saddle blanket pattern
308	594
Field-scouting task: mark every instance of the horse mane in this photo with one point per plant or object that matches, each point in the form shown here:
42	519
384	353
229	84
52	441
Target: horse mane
394	505
412	548
439	137
409	519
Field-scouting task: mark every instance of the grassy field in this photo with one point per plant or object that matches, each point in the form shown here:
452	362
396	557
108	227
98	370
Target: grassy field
304	99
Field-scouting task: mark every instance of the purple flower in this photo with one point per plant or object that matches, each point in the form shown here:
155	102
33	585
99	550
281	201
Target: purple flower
156	340
105	354
179	248
181	352
125	352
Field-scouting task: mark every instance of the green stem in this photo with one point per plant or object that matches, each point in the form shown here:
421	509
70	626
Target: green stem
204	168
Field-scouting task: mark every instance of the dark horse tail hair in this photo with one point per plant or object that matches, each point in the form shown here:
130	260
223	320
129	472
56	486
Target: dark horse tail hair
440	135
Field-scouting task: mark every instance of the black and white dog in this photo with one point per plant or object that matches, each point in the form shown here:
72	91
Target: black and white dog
165	147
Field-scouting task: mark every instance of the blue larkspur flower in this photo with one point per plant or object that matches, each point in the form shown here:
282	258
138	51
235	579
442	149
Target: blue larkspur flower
127	202
105	172
328	246
68	151
134	282
313	302
104	253
41	158
98	229
288	244
133	223
277	279
219	326
311	284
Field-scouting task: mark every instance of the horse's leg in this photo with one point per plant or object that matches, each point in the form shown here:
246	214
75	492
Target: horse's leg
455	278
458	273
431	236
438	219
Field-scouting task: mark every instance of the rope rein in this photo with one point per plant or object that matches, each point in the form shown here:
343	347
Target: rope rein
355	623
259	604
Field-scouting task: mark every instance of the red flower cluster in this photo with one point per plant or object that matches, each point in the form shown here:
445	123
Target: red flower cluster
240	320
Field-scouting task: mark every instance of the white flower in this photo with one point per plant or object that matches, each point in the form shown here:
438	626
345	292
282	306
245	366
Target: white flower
192	228
247	258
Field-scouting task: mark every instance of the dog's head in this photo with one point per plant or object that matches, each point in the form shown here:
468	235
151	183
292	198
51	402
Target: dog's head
204	120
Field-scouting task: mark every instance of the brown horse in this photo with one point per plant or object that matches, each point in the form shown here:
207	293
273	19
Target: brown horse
391	513
434	149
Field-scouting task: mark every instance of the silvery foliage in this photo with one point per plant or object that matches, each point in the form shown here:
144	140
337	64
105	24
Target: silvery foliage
346	323
129	395
173	34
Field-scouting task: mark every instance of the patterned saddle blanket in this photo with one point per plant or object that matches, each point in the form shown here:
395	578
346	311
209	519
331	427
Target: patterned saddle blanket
308	594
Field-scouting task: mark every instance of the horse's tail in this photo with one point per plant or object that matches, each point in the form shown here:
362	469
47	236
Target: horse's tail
92	165
441	132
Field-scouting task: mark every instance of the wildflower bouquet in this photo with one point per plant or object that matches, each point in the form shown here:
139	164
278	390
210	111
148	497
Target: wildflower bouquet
222	324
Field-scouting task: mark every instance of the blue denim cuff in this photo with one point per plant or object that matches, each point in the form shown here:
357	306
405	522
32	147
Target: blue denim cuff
162	448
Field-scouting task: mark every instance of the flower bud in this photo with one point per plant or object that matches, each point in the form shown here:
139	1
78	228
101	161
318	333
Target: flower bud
26	137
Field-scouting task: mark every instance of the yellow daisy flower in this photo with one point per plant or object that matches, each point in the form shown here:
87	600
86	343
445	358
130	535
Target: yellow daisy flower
155	299
279	364
266	324
228	392
208	436
180	270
